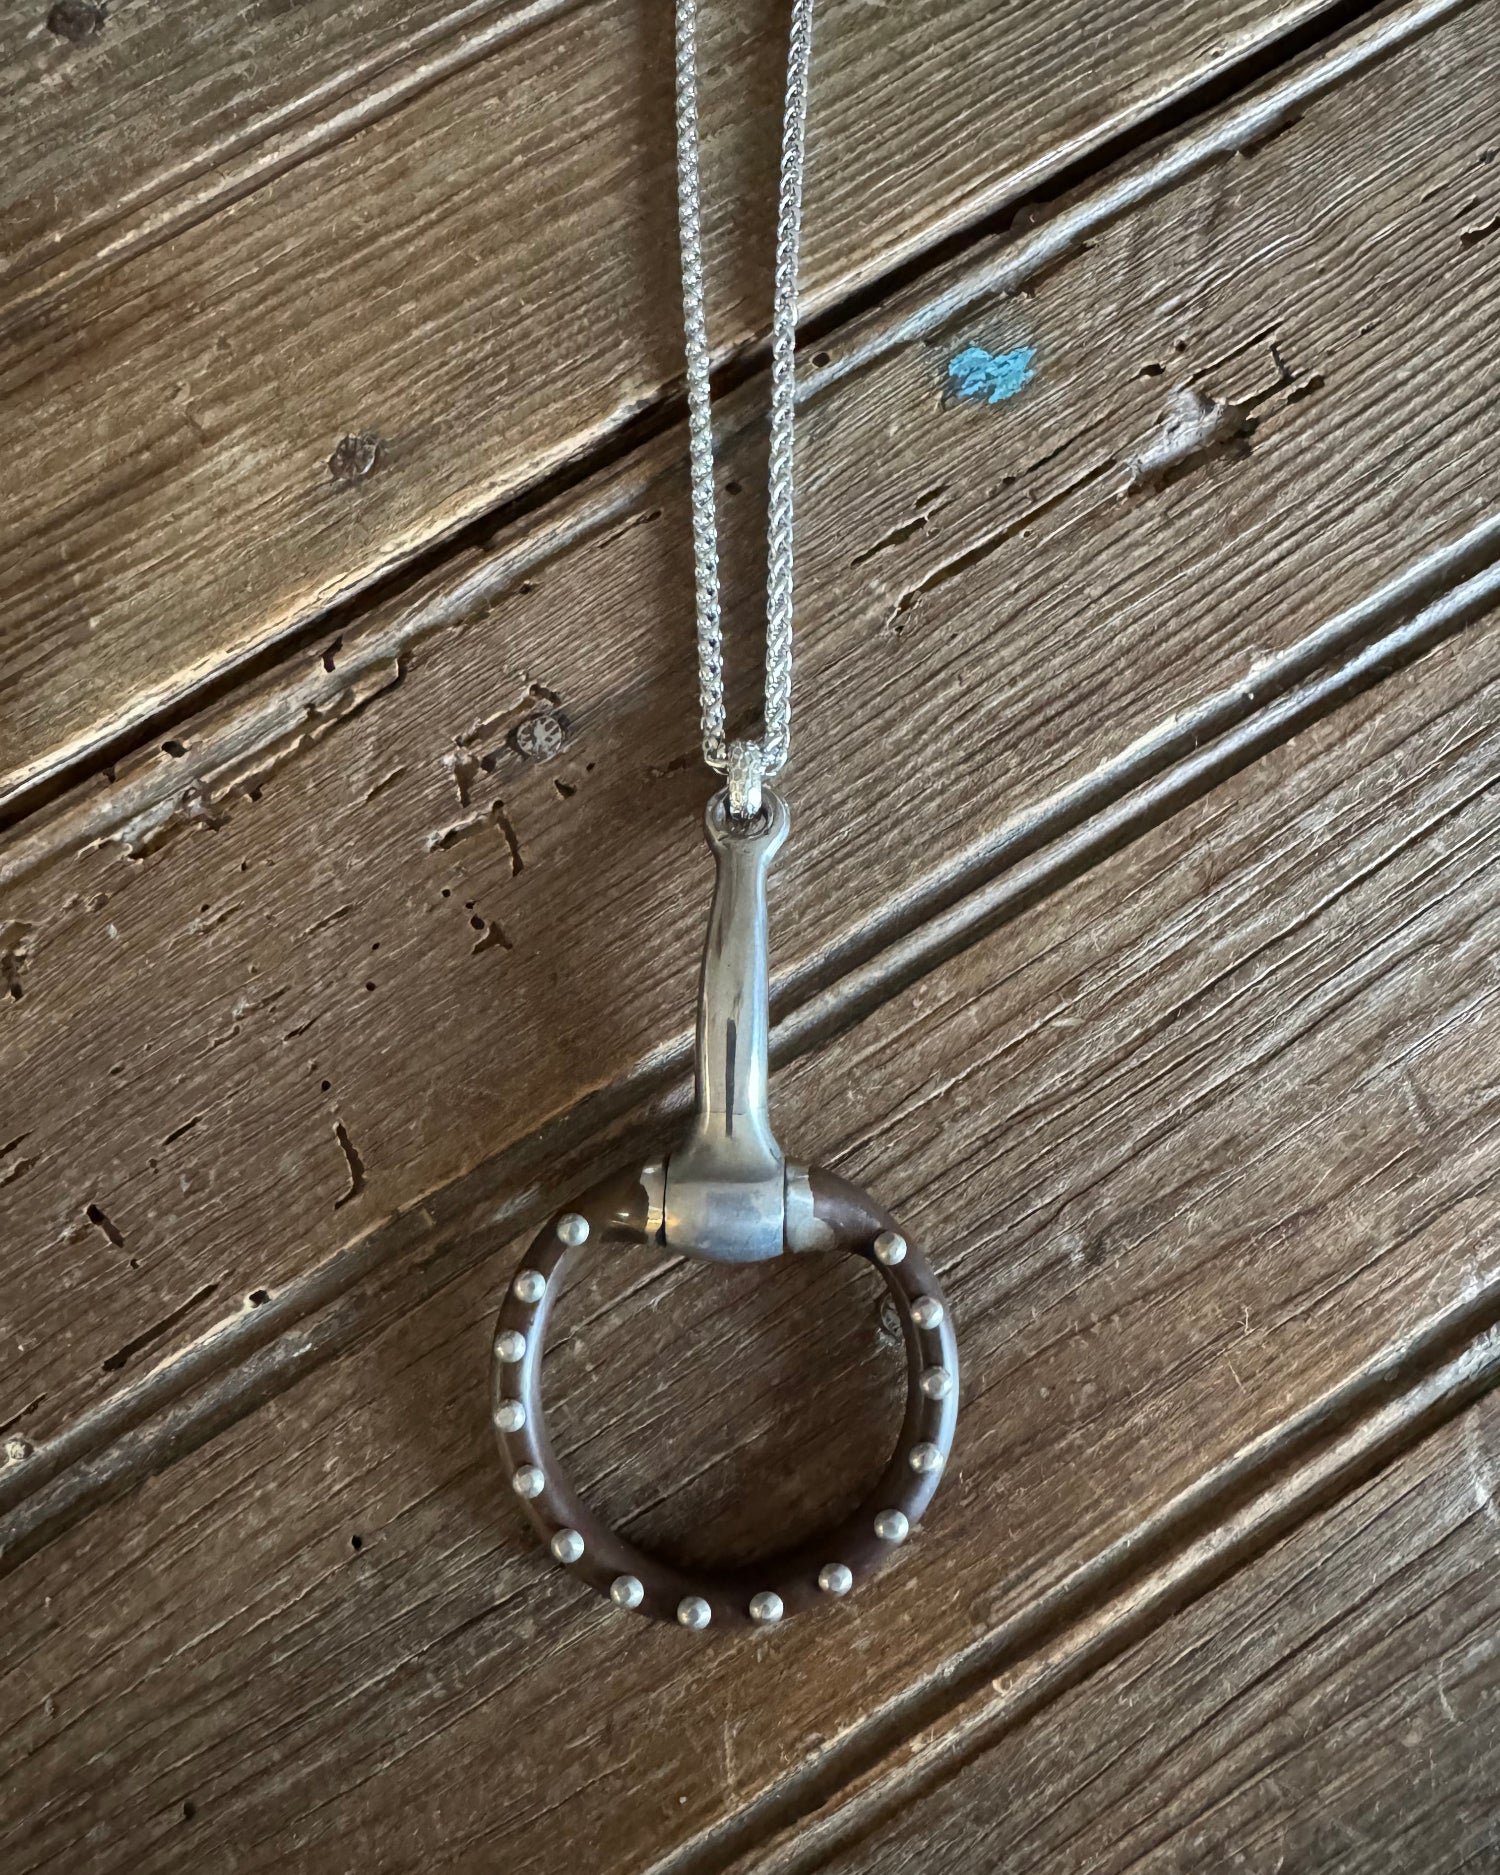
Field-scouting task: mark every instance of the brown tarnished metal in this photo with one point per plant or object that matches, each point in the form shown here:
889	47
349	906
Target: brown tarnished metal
617	1212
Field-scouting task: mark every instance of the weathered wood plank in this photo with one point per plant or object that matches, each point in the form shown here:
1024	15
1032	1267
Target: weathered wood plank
1334	1707
214	937
125	122
1193	1144
485	279
183	112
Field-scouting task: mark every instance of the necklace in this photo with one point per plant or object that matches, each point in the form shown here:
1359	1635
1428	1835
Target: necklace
725	1192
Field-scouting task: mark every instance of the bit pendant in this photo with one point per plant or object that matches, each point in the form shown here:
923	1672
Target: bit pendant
727	1194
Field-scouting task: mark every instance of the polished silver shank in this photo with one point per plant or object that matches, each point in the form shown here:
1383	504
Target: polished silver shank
725	1188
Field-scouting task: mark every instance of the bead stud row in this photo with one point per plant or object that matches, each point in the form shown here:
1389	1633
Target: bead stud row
694	1611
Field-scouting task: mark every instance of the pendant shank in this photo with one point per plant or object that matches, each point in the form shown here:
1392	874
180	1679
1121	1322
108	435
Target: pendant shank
725	1193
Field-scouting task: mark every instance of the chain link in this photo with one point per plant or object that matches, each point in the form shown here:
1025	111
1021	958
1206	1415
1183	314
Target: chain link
755	759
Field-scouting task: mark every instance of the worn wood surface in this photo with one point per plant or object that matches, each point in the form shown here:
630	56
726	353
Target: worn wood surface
1192	1144
182	111
1335	1706
348	944
1137	945
484	280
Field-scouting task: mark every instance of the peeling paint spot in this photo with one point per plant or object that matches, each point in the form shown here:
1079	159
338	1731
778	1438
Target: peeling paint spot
990	376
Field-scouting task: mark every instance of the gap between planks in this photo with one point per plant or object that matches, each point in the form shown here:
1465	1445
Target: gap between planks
386	83
1190	1546
914	293
190	1397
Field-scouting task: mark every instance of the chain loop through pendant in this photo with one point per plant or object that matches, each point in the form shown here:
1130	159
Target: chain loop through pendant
725	1192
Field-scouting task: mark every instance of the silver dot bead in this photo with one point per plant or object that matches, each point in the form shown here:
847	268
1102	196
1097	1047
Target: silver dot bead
891	1526
694	1612
835	1578
567	1546
529	1286
766	1607
927	1311
529	1481
937	1383
511	1346
925	1458
510	1416
626	1592
573	1229
890	1248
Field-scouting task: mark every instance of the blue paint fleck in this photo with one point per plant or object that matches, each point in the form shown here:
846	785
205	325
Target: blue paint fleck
994	376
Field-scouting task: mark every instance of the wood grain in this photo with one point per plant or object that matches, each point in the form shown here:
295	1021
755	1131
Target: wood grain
1192	1146
1334	1707
176	110
339	944
484	280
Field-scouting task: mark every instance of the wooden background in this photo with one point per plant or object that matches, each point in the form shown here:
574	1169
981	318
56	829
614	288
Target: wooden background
1137	941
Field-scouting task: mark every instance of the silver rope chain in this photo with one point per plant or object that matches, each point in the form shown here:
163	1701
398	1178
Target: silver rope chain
743	763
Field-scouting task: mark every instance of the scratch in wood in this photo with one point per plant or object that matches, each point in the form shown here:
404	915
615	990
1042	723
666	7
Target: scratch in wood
206	803
168	1322
983	548
1306	388
1267	133
895	538
494	816
331	918
354	1162
25	1413
178	1131
678	764
644	519
385	782
450	836
731	1773
208	921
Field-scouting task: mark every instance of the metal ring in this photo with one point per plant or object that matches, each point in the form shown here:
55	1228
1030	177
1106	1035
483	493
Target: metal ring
821	1570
